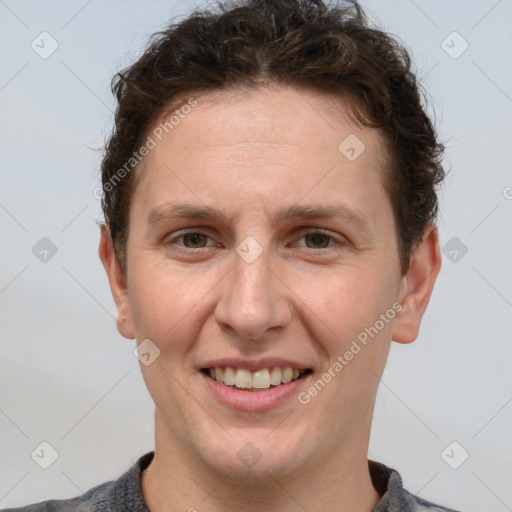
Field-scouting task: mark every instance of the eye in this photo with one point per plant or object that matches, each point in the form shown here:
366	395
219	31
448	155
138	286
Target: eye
314	240
318	239
190	240
196	240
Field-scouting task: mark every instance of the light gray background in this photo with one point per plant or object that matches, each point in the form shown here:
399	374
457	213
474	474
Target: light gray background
68	378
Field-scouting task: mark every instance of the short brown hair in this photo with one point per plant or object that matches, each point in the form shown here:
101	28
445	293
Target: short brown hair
291	42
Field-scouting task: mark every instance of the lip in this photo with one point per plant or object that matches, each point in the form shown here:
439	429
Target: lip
254	364
254	400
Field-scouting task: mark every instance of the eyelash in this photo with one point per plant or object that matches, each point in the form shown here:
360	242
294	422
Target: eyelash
304	233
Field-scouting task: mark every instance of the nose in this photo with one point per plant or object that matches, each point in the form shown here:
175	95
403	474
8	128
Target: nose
253	300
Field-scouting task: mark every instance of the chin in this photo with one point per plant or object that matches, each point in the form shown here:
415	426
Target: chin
260	455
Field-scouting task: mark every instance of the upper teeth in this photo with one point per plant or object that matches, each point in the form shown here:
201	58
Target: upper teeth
259	379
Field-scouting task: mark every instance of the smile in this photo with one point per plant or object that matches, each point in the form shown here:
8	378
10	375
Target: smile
258	380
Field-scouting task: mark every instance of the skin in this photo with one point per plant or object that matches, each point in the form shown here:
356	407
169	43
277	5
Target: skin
249	154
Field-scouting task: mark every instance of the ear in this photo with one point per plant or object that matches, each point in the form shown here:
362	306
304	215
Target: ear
417	285
118	284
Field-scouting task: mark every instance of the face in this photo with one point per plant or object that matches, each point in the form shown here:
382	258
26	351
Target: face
261	249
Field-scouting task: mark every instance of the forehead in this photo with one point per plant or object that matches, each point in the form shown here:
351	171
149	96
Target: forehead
273	113
270	142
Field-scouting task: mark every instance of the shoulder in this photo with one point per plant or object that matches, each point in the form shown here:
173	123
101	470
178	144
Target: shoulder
115	496
93	500
394	498
420	505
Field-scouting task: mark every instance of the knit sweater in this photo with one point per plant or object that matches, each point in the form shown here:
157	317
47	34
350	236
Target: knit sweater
125	494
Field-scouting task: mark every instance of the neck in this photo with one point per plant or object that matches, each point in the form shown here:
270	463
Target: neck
175	480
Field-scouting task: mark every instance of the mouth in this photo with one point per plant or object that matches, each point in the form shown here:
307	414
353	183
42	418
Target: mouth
259	380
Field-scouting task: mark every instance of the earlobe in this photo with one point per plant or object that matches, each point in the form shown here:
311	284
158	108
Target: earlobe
118	285
417	285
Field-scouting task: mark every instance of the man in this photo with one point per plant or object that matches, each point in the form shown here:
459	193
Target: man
269	201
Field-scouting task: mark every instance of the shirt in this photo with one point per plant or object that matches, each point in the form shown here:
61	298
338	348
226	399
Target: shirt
125	494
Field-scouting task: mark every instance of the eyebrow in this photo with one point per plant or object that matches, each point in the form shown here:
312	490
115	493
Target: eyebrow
171	211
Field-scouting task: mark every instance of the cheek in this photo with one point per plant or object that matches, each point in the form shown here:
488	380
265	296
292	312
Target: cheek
165	303
344	316
345	303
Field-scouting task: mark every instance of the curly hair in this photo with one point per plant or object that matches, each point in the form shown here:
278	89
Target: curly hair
303	43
